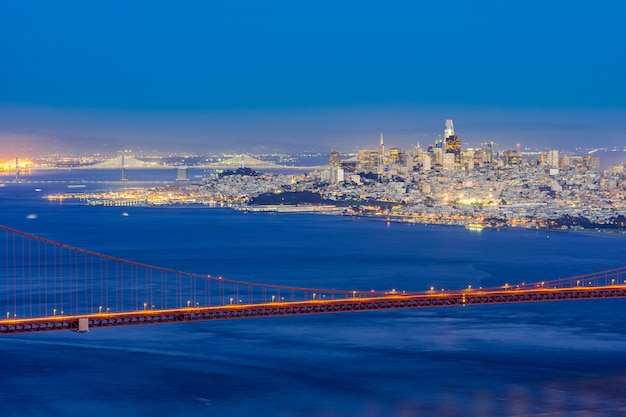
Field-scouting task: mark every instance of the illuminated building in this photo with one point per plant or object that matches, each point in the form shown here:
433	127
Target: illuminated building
397	156
511	157
438	156
332	175
425	162
448	162
336	175
592	162
451	142
368	160
553	158
453	146
468	159
489	152
334	160
349	166
394	155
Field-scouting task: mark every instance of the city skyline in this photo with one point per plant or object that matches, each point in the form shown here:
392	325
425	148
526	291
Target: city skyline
241	76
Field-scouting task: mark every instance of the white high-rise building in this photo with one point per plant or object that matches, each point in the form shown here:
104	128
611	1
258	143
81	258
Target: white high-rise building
448	129
553	158
336	175
332	175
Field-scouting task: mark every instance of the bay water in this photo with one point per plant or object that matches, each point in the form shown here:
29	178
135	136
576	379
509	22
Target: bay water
555	358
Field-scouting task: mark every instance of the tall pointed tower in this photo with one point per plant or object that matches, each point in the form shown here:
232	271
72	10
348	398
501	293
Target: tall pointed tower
448	129
381	156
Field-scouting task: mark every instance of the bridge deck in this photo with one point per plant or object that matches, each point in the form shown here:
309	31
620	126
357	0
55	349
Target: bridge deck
272	309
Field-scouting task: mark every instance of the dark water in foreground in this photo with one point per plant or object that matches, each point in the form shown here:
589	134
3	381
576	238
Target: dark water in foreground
557	359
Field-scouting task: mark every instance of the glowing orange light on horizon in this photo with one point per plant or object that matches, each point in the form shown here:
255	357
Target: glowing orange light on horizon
10	164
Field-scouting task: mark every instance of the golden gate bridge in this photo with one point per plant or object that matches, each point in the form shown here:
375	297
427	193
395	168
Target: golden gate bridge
47	285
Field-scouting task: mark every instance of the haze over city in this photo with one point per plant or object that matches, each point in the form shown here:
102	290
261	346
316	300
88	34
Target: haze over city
243	77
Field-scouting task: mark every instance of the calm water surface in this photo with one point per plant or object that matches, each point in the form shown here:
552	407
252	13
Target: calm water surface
515	360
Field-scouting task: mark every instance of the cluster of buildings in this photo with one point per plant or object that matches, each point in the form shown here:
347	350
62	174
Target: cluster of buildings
444	184
441	184
446	155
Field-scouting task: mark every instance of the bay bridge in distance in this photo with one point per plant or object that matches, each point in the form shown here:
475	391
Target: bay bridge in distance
49	286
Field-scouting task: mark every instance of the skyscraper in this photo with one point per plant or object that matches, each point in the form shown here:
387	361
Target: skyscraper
451	142
553	158
381	156
425	162
489	152
368	160
334	160
336	173
453	146
448	162
448	129
396	156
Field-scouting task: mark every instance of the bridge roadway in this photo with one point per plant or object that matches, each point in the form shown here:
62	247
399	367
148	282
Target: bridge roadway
271	309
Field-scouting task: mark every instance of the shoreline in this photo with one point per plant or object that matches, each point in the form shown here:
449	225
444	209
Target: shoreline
336	211
330	209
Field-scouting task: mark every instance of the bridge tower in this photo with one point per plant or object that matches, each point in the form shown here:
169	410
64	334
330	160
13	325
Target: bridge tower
17	169
123	170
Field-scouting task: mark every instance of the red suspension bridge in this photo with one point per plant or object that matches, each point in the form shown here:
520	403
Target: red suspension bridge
46	285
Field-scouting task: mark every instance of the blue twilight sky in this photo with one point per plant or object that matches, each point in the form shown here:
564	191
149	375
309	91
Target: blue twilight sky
251	75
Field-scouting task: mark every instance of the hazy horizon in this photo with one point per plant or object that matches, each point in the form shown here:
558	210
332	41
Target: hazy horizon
248	77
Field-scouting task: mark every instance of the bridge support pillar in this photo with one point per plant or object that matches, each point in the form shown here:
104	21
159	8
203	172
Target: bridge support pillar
83	325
